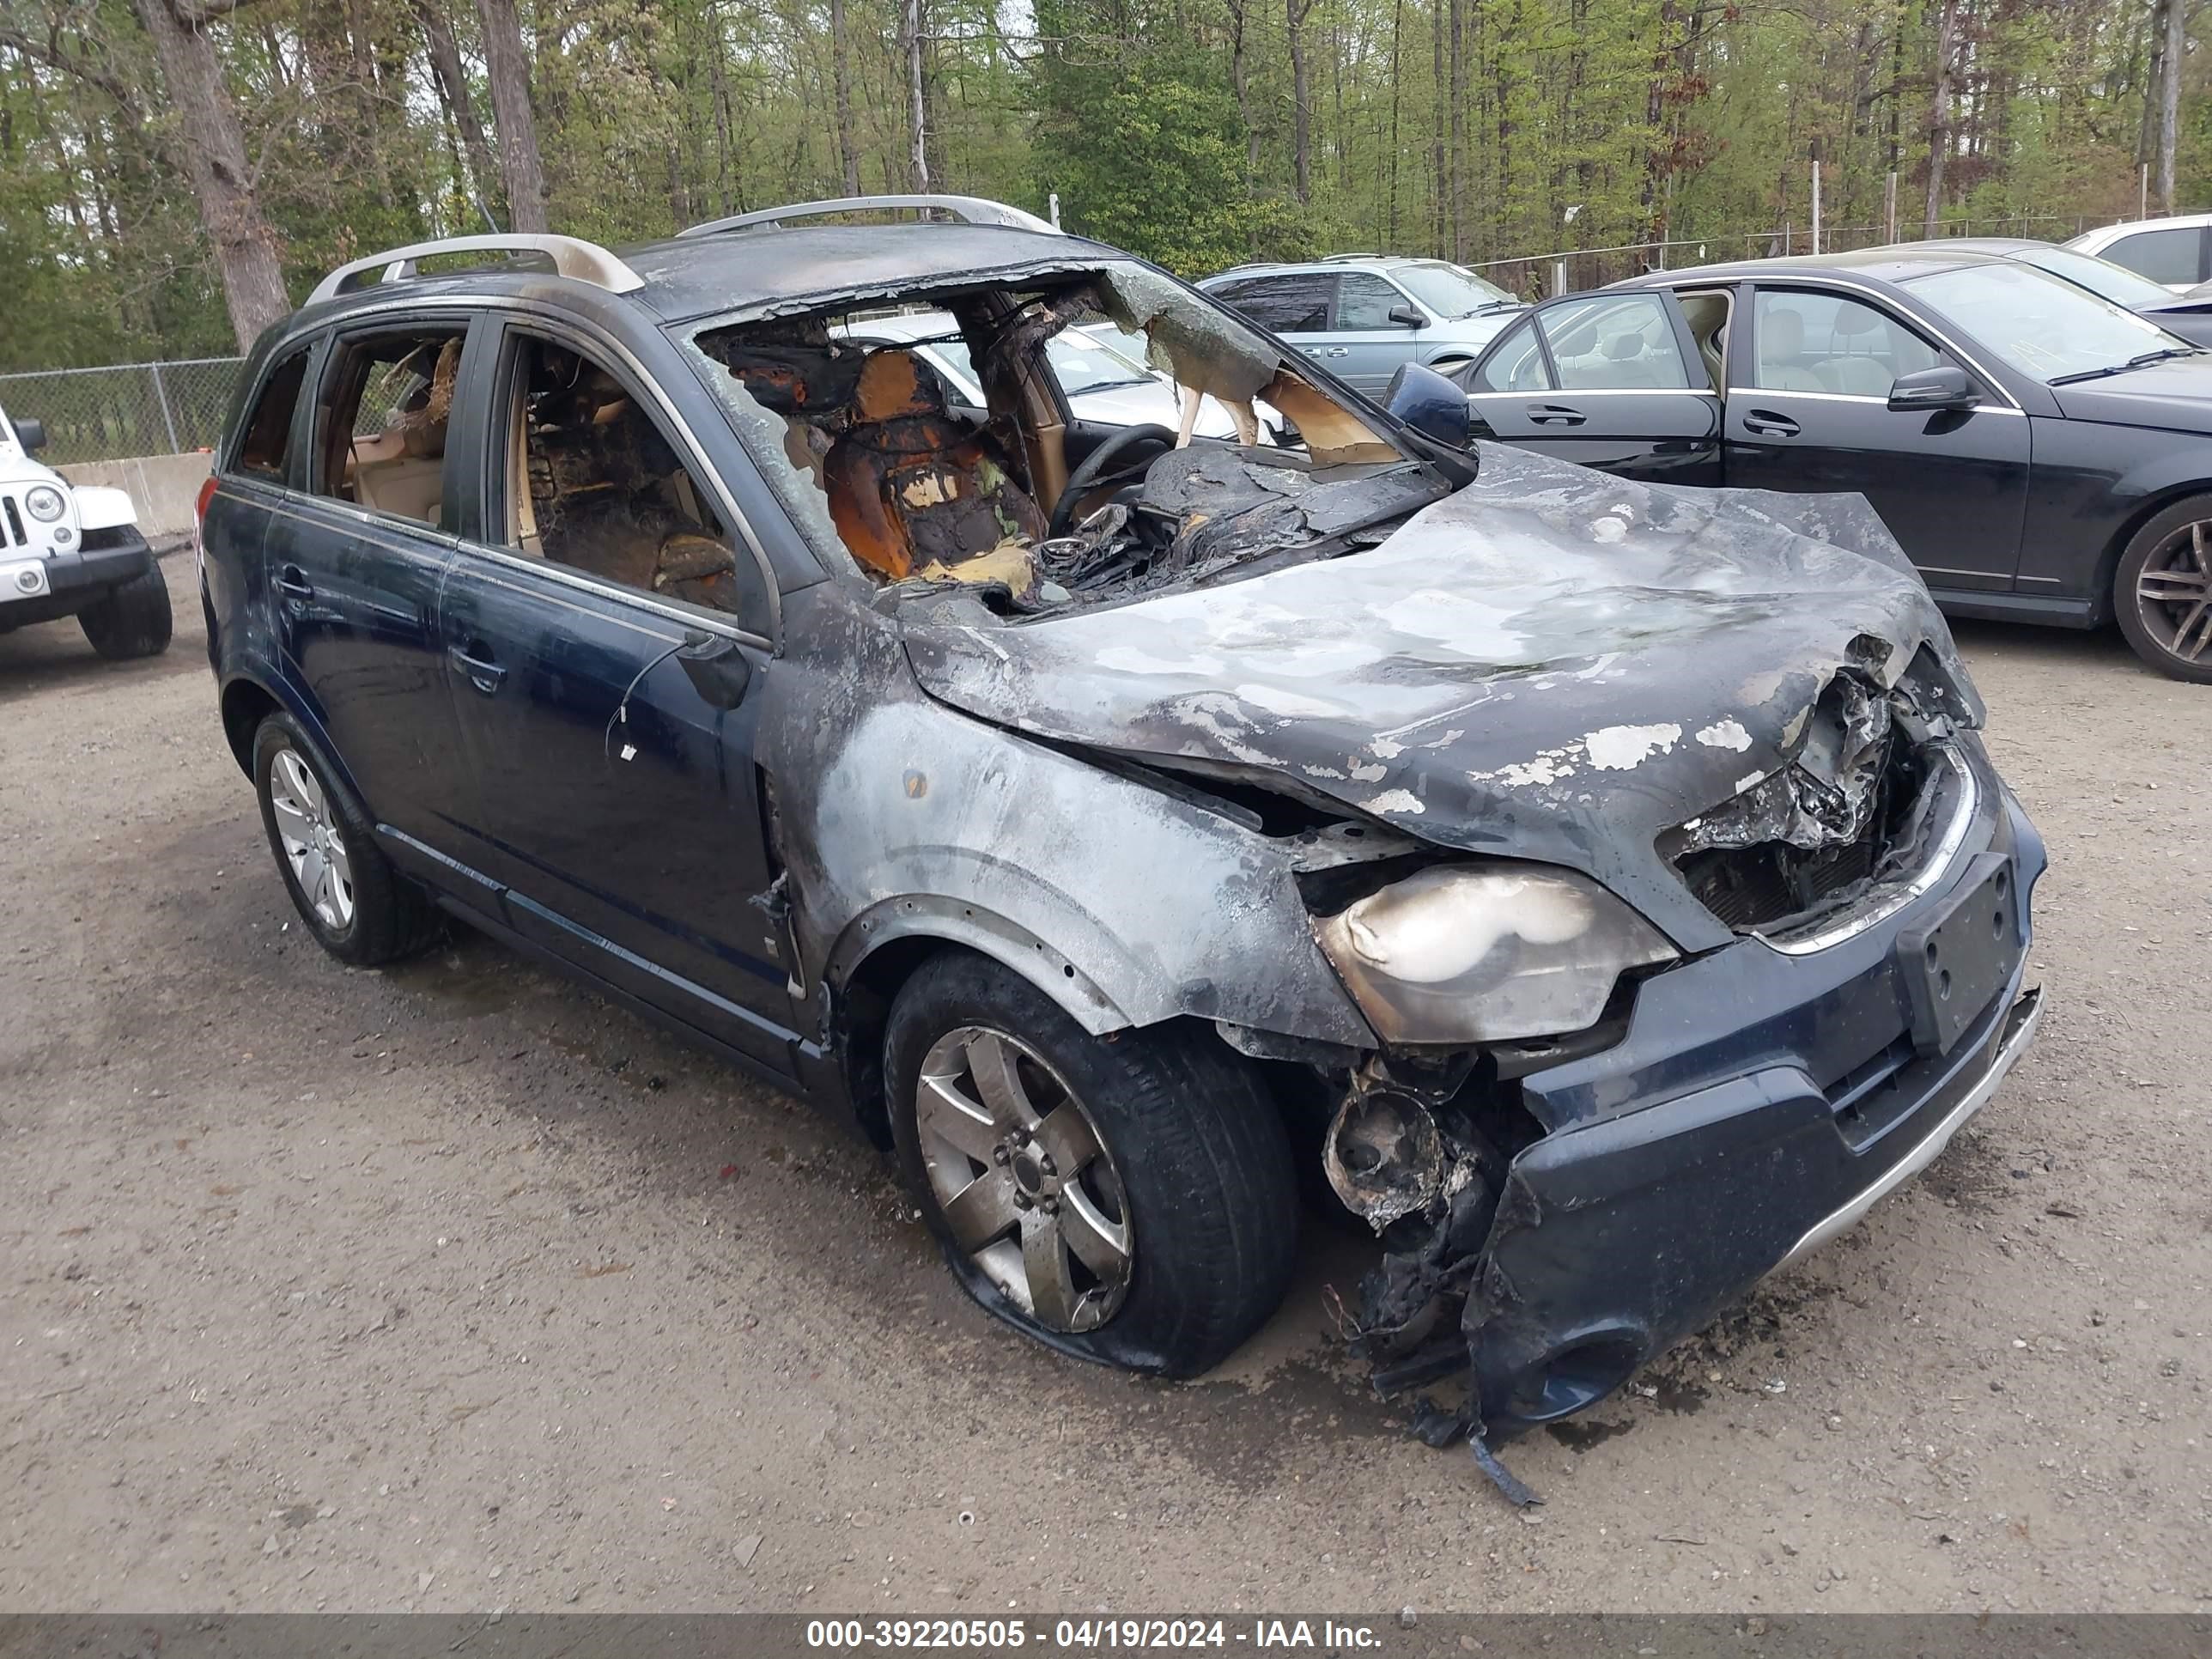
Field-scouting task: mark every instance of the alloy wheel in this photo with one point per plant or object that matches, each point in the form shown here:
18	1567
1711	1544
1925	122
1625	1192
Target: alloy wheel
1026	1186
313	844
2173	594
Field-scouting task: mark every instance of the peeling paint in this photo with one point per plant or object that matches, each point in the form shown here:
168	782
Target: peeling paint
1618	748
1394	800
1728	734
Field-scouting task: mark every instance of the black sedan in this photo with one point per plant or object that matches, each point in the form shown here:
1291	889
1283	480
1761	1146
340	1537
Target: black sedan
2042	454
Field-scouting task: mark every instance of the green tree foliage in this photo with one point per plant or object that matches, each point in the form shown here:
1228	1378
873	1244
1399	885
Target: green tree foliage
1480	130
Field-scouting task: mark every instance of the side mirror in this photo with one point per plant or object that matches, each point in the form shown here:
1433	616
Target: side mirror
31	434
1408	316
1931	390
719	671
1429	403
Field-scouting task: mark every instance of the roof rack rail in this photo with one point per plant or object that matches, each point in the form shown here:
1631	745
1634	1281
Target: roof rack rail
967	209
587	262
1332	258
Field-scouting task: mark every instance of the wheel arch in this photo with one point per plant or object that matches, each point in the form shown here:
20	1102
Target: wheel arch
2104	607
248	698
882	948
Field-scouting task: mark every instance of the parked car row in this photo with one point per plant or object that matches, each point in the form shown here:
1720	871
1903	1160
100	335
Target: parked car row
2041	452
1112	826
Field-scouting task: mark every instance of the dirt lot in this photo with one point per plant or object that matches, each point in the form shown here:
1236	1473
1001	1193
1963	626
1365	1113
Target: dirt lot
453	1286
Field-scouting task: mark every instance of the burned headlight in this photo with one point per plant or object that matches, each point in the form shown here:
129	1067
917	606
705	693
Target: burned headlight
1484	952
44	502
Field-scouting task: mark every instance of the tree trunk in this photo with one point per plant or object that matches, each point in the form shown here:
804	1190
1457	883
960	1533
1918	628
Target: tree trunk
917	110
452	80
209	150
507	68
1240	78
1441	183
1294	14
1939	112
2169	102
1397	79
840	67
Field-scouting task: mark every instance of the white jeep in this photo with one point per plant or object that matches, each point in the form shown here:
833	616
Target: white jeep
75	550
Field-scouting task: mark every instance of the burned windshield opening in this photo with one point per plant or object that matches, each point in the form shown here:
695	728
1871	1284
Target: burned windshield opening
1061	439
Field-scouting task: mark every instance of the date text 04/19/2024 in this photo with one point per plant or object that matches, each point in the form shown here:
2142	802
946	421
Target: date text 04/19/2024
1100	1635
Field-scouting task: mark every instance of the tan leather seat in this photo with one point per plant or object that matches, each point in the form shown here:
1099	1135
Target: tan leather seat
909	487
1782	352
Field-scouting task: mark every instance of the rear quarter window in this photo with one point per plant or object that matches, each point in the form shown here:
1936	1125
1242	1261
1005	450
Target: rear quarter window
265	439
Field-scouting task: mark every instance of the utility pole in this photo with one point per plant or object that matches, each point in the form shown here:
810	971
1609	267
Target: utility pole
1816	206
1889	208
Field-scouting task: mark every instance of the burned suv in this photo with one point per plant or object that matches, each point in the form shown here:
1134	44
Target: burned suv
1602	882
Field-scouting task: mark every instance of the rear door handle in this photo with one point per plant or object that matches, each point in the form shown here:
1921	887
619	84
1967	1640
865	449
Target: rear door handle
474	659
292	582
1555	415
1765	423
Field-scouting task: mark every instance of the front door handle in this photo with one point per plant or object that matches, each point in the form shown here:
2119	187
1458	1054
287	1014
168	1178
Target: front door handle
1337	351
474	660
292	582
1554	415
1765	423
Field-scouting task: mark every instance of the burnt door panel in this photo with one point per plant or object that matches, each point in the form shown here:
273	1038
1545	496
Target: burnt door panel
615	802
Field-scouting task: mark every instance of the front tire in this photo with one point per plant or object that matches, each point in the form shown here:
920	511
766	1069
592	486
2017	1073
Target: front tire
1128	1199
131	619
359	909
2162	591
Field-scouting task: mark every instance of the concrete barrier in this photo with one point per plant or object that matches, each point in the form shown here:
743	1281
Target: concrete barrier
165	489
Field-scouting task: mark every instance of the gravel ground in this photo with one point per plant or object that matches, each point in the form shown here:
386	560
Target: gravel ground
453	1286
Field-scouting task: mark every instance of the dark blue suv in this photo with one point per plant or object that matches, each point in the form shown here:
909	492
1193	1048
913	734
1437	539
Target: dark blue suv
1602	884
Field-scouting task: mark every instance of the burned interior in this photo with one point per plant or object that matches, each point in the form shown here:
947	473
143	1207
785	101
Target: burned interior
1017	502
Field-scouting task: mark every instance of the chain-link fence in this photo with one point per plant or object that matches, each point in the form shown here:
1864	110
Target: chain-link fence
1539	276
133	409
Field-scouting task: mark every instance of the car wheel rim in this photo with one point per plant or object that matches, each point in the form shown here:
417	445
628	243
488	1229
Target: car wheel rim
1025	1183
313	845
2173	594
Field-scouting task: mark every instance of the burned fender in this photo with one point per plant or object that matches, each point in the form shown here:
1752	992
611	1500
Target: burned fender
1128	904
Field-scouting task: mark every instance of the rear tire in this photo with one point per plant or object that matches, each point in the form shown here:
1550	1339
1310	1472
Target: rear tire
131	619
2162	591
359	910
1180	1161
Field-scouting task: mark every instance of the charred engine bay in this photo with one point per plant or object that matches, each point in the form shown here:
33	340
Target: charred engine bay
1207	511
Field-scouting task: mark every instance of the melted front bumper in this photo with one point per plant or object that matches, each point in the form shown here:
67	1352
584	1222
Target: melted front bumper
1761	1103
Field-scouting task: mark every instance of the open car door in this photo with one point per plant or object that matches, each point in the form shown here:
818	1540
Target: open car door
1612	381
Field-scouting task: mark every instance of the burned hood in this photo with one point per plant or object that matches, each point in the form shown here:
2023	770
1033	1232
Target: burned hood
1550	662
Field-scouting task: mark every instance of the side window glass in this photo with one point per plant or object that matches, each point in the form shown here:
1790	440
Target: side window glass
266	441
1809	342
1365	302
594	484
1614	342
1516	364
2164	256
1287	305
381	421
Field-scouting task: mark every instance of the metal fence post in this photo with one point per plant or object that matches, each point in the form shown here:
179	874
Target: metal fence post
161	397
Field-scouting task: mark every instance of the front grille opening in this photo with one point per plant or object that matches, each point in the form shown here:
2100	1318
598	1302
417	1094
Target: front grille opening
1771	882
14	535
